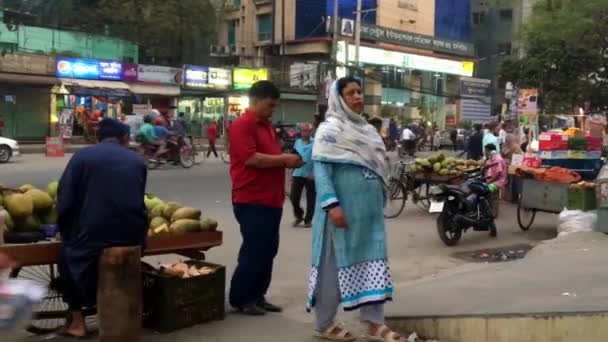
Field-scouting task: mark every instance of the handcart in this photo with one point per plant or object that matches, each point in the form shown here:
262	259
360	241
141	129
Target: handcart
38	262
547	197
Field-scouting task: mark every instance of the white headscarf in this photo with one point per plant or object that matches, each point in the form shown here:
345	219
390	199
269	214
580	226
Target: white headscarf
345	137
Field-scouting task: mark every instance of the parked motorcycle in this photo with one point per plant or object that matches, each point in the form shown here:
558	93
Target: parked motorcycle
180	152
463	207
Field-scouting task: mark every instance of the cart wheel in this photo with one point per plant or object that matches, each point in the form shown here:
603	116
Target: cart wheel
395	203
422	196
525	217
51	312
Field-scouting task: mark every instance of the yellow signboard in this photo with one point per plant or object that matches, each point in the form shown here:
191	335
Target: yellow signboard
245	78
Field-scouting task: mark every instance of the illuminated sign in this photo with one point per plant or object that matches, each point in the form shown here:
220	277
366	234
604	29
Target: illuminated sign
92	69
153	74
207	78
374	56
245	78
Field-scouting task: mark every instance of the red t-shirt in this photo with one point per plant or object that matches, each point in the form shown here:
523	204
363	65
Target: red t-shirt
211	133
248	135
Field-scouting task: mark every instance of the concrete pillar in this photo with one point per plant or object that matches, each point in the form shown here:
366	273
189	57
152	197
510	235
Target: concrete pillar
373	96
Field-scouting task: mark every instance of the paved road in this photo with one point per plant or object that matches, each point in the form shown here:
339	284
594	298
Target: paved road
414	247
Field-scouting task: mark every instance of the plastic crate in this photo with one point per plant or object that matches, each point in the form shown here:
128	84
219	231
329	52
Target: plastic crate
582	199
594	143
172	303
578	144
552	142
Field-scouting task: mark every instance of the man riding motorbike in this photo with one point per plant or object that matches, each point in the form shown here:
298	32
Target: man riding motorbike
147	132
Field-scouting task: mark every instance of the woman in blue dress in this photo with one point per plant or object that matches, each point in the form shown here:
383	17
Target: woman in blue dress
349	259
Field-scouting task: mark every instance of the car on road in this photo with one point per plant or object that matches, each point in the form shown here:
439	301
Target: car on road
9	148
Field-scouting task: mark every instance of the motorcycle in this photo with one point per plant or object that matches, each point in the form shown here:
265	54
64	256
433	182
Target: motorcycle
179	151
463	207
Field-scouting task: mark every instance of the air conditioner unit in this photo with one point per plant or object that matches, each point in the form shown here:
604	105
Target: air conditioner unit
232	49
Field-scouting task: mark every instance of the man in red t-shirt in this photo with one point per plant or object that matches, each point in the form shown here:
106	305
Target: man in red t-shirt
257	169
211	138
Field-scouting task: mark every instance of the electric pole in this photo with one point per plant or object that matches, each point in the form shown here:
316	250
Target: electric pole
358	32
334	47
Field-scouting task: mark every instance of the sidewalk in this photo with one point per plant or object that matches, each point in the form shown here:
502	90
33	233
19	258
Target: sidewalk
557	293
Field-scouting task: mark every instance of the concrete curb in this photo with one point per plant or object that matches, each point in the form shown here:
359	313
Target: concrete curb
538	327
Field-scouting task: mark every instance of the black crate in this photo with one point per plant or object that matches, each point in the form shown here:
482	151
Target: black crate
173	303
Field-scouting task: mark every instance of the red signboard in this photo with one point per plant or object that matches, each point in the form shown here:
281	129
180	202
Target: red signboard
54	147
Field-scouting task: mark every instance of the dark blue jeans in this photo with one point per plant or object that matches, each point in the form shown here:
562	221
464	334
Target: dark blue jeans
260	233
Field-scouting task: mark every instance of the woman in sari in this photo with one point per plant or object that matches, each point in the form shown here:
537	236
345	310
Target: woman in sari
349	259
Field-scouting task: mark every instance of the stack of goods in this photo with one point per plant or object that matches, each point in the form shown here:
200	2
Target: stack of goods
172	218
183	294
439	165
581	196
571	149
29	209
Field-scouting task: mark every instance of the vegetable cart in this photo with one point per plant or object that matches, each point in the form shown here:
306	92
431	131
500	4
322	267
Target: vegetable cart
38	262
415	187
548	197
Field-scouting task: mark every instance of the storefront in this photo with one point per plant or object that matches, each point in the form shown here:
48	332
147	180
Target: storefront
25	95
203	97
89	90
153	87
427	82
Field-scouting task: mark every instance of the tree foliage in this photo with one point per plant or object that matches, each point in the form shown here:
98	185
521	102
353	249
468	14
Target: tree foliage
565	54
171	32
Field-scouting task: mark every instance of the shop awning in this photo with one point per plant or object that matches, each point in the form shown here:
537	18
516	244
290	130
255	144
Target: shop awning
96	87
29	79
154	89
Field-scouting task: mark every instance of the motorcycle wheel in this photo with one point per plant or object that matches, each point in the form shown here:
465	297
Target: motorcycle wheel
186	159
449	235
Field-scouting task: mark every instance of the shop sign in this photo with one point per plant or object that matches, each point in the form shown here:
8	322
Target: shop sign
374	56
304	76
245	78
152	74
92	69
527	101
408	5
54	147
27	64
220	78
475	87
409	39
196	76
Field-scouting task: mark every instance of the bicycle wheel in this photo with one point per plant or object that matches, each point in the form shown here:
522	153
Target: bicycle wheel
396	197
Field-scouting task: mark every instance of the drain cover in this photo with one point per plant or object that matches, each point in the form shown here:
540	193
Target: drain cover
499	254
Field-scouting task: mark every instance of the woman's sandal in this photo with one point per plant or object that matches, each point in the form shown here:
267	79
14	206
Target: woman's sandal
384	334
336	333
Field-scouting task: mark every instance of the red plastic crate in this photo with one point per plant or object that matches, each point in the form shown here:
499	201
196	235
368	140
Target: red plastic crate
553	142
594	143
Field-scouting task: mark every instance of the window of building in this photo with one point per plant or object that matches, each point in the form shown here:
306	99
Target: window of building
506	15
478	18
232	32
504	48
264	28
236	3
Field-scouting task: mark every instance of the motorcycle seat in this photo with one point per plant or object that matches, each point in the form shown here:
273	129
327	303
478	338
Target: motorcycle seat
458	189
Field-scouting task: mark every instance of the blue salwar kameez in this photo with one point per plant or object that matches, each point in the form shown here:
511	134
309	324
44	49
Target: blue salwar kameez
363	274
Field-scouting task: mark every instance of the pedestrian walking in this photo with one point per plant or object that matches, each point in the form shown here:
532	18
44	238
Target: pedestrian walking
257	170
100	204
211	138
303	179
350	262
436	140
475	146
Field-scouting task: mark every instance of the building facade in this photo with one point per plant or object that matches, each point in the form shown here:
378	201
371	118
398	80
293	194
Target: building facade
495	28
409	70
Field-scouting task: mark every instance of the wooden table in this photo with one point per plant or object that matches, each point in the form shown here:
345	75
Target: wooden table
38	261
